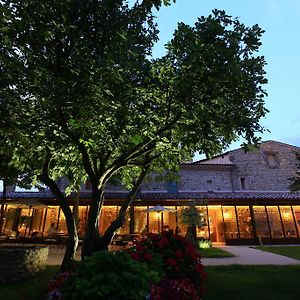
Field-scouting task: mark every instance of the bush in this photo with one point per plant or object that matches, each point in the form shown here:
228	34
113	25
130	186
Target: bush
170	289
204	243
173	256
108	275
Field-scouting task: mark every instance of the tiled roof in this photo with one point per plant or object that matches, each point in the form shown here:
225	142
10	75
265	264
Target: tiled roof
164	196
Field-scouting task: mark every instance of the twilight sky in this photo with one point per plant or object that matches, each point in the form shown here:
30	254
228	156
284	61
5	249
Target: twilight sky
281	42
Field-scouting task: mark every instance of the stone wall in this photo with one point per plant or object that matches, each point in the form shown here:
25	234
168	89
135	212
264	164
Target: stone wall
205	179
18	263
266	169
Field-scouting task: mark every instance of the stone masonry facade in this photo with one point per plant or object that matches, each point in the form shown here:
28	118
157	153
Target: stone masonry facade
265	169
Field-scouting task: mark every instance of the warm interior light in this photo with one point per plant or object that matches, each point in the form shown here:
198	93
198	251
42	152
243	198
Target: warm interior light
226	215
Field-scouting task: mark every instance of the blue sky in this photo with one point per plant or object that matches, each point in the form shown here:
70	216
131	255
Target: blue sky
281	42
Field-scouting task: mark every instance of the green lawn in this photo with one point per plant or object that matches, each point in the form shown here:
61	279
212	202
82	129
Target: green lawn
214	253
292	251
252	282
31	289
224	283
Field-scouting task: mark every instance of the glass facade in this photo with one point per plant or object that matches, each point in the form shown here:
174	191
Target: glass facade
288	221
230	222
244	221
216	225
222	223
261	221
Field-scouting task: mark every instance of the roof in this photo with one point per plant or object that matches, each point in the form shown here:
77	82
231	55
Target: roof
239	195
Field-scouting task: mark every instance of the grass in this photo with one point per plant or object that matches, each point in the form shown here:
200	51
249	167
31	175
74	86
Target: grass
238	282
224	282
30	289
290	251
214	253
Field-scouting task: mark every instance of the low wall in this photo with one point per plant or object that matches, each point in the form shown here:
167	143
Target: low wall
18	262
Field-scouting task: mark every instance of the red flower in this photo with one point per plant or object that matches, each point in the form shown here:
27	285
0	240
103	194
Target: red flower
171	262
153	236
163	242
140	247
178	254
147	256
135	256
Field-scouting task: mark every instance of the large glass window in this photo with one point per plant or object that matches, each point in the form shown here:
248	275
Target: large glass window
262	228
140	219
155	221
275	222
62	225
288	221
244	220
231	230
216	225
181	227
203	231
296	210
51	216
108	214
169	218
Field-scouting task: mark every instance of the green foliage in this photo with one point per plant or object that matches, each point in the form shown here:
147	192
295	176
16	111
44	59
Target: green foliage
191	215
108	275
83	82
204	243
78	81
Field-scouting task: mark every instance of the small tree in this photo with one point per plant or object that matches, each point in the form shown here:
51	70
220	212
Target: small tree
193	218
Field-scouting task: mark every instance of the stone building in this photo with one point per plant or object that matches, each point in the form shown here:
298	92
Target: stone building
244	198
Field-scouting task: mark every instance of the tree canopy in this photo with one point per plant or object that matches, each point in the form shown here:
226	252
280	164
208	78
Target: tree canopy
85	97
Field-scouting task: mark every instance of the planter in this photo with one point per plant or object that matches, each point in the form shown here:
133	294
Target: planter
21	262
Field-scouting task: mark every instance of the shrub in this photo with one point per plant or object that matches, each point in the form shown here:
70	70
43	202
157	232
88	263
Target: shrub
173	256
55	285
108	275
204	243
170	289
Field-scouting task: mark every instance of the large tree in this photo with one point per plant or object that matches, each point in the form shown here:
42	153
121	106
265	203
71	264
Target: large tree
81	82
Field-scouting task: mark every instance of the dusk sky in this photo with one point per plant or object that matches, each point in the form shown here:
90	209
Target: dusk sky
281	42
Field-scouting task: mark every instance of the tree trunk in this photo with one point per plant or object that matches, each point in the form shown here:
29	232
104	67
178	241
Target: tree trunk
71	246
92	239
120	220
76	210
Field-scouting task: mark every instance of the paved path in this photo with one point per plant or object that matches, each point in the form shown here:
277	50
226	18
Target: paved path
244	255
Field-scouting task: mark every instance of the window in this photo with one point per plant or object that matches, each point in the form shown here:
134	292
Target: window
272	159
172	187
243	183
209	185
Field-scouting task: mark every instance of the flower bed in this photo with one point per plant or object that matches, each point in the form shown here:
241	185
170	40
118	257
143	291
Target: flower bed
177	260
